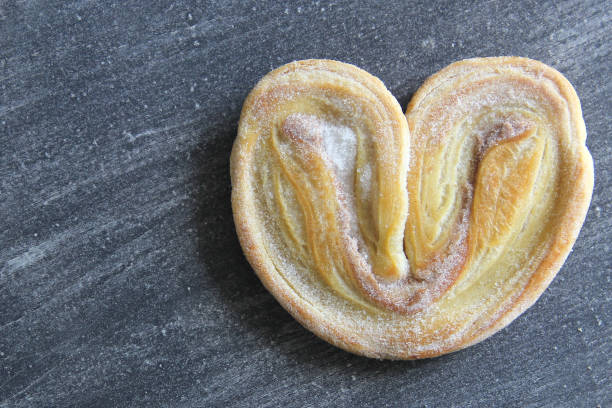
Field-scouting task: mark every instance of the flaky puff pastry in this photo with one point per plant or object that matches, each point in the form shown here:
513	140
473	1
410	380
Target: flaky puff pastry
411	236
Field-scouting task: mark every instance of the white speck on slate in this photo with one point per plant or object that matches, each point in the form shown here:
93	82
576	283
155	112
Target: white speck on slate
428	43
131	138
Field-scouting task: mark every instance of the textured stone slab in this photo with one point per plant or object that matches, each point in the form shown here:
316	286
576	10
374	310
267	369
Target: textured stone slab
121	279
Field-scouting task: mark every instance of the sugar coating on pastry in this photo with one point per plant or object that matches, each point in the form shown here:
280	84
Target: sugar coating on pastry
410	236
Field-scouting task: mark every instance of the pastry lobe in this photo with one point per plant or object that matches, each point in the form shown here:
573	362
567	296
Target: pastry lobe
410	236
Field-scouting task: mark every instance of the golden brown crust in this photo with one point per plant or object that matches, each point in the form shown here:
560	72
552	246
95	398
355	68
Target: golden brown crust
323	228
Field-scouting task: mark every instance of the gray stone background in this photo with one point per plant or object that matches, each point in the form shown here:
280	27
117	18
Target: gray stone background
121	279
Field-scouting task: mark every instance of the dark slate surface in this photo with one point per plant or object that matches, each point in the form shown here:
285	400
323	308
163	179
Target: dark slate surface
121	279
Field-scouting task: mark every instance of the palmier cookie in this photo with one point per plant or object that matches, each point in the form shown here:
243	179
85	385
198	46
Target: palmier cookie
410	236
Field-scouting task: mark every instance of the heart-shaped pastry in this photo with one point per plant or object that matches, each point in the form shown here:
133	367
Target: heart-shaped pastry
411	236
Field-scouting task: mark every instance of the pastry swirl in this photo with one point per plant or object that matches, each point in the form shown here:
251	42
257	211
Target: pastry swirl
410	236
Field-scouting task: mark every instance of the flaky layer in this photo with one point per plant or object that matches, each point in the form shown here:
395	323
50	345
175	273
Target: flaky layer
406	246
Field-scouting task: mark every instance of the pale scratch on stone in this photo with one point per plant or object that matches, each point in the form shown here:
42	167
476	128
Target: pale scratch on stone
133	137
32	255
6	109
36	381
